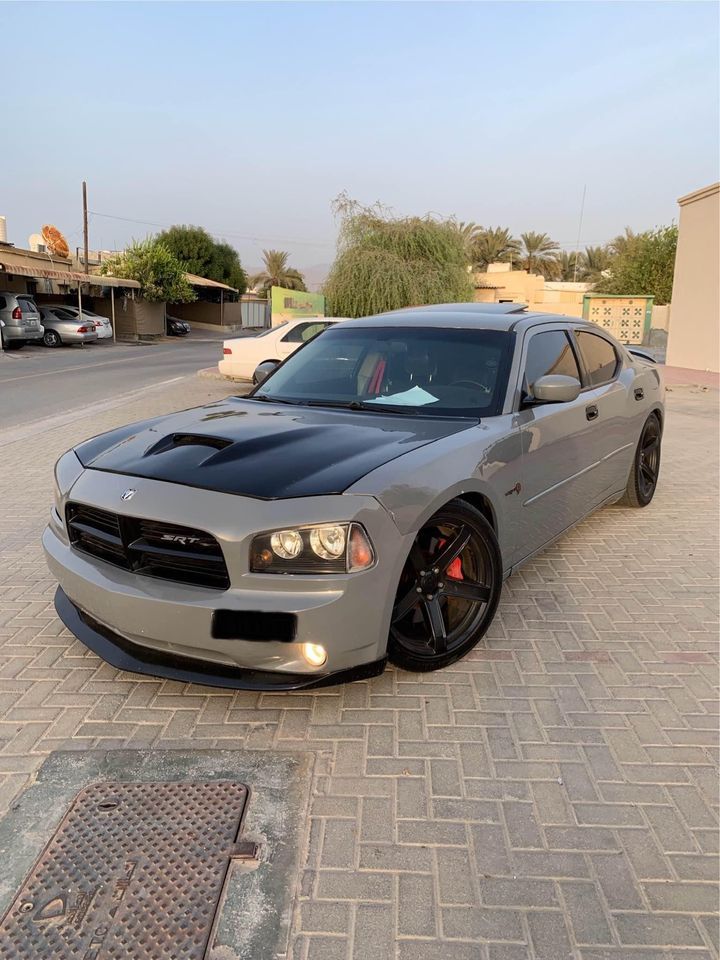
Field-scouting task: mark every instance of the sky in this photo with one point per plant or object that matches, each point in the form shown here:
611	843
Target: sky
249	118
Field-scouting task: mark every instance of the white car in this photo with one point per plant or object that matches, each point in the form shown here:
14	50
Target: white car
242	355
103	327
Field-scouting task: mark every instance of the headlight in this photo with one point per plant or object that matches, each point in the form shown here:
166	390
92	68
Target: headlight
67	470
325	548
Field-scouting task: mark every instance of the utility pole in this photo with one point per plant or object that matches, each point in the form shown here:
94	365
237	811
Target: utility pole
85	226
577	245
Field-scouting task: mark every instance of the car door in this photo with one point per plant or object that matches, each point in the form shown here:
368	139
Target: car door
557	449
291	340
606	387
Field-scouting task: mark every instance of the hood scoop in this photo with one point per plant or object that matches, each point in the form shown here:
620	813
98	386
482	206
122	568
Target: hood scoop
175	440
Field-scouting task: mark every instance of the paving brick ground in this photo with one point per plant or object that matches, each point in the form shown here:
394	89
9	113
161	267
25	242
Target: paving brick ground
552	796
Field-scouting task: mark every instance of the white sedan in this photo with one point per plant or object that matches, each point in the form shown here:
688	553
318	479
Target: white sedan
242	355
103	327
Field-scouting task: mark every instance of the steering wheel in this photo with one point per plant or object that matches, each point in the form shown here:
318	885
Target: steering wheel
473	384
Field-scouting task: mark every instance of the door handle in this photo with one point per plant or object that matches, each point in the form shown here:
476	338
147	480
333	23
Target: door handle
592	412
639	393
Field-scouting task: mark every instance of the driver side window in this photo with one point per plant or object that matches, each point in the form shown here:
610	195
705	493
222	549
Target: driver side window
549	352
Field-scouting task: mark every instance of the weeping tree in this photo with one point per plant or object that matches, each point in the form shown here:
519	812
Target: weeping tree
386	262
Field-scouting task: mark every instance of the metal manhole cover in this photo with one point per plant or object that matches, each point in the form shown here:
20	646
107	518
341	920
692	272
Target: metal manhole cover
133	870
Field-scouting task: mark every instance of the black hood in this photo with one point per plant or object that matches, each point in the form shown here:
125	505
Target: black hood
263	450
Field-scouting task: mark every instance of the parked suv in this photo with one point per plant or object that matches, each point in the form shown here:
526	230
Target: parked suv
19	320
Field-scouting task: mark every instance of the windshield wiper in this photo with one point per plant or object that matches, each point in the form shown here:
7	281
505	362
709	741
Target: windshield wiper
266	399
364	405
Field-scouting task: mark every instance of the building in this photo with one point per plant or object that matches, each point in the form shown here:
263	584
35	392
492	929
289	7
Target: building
501	284
694	341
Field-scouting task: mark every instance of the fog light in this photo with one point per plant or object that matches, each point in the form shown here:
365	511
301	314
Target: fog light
315	654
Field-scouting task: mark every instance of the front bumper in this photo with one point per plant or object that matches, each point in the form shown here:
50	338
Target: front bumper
155	626
126	655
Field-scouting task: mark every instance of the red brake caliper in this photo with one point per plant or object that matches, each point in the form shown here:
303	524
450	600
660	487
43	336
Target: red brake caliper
454	571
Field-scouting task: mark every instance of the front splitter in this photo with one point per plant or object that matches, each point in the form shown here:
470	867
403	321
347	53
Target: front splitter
126	655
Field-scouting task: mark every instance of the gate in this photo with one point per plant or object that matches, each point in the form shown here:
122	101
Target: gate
626	318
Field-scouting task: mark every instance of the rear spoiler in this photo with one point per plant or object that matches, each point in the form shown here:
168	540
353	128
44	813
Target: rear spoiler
641	353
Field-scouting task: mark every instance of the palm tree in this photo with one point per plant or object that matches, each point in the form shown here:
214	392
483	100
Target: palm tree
569	266
593	264
277	273
621	243
494	244
468	232
540	254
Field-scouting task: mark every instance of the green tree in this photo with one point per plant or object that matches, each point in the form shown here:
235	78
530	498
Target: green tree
468	233
158	271
643	264
492	245
226	267
277	273
386	262
566	266
200	254
539	254
593	263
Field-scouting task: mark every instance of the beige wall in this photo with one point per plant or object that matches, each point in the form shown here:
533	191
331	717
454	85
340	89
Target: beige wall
660	317
694	340
137	318
544	296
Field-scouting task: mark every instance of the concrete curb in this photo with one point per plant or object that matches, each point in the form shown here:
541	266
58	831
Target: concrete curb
212	373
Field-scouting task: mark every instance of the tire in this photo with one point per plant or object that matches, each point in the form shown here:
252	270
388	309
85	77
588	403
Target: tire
645	471
12	344
433	624
52	339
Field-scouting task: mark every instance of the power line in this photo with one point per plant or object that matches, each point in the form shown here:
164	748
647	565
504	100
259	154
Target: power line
218	236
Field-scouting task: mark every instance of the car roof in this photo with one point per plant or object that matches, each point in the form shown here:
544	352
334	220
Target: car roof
509	306
449	316
438	316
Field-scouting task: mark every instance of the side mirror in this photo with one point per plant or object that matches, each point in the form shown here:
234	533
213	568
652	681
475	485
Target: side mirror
555	388
263	370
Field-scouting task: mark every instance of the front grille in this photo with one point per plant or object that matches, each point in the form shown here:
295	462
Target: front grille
148	547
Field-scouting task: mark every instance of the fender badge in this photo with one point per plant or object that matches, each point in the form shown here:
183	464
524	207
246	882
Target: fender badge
128	494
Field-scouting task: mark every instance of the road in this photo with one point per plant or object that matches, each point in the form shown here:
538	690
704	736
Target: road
36	382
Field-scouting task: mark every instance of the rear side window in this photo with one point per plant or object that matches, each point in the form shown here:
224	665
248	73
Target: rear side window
549	352
3	303
27	306
312	330
296	335
599	357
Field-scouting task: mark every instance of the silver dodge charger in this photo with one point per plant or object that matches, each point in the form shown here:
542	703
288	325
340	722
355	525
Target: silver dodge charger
364	503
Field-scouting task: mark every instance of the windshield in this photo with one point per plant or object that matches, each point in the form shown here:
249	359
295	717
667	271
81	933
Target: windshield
419	370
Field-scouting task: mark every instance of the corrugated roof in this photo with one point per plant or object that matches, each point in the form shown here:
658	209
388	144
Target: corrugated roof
196	281
64	276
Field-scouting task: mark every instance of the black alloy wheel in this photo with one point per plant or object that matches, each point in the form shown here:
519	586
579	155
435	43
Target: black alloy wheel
643	479
448	591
